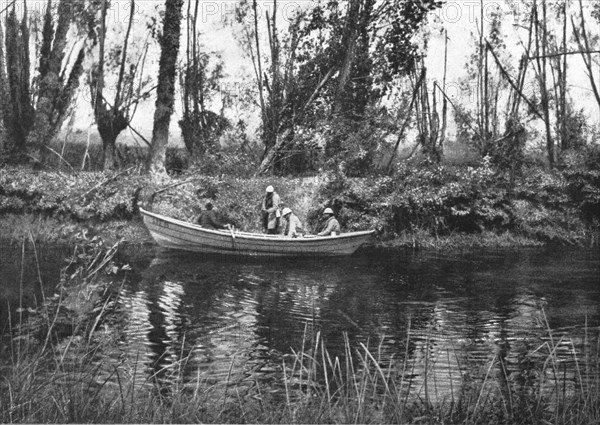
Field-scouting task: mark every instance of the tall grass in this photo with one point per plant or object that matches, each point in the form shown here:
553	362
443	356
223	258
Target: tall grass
53	372
65	383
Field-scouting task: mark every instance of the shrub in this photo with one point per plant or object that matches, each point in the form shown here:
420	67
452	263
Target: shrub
443	200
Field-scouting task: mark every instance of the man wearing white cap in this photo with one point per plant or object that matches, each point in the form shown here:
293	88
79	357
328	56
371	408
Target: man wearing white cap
332	226
290	223
270	211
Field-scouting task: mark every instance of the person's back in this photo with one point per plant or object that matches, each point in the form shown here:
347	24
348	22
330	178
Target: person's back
209	220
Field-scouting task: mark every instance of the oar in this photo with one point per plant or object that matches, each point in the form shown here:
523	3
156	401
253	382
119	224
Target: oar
231	228
171	186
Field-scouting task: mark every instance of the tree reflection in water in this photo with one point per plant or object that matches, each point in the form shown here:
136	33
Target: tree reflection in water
446	322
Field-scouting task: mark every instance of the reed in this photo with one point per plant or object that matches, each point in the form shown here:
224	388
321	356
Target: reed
66	383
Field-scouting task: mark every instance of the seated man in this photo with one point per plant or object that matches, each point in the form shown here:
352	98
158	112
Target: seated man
209	220
332	226
290	224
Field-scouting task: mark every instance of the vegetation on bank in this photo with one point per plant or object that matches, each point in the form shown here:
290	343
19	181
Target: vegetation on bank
418	205
342	108
58	367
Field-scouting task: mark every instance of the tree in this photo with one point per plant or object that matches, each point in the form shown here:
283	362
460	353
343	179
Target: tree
18	120
58	75
114	117
199	126
33	110
482	125
270	80
583	42
4	93
341	60
169	43
541	46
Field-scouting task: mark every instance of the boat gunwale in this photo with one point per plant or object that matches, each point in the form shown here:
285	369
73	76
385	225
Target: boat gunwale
254	236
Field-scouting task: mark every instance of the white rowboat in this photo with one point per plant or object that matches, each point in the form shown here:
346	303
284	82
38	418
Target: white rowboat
176	234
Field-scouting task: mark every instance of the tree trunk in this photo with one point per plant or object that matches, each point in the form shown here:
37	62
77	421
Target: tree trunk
259	76
17	66
166	86
349	44
563	85
110	124
541	42
109	150
5	109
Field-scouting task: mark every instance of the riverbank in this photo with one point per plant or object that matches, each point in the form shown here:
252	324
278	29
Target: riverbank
419	207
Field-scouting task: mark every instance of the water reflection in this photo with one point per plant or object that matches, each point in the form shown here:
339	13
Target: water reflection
25	271
454	319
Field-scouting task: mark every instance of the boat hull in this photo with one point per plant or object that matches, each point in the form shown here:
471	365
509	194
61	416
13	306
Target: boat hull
176	234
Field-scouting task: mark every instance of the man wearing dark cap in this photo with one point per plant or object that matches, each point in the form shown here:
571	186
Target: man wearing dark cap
209	220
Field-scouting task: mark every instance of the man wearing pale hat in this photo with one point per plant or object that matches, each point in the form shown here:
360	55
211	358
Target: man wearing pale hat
332	226
290	223
270	211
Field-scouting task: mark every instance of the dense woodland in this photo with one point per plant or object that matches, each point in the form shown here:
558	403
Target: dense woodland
337	87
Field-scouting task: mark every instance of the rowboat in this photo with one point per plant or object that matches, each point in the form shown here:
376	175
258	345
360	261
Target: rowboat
176	234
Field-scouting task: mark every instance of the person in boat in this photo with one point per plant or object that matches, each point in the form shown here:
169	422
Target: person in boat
210	220
332	226
270	211
290	224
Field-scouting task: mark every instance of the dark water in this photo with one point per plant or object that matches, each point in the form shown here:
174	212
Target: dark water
448	314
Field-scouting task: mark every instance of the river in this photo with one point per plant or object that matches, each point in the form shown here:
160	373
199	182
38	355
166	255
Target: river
447	314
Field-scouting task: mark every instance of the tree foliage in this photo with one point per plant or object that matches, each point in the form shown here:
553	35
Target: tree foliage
341	58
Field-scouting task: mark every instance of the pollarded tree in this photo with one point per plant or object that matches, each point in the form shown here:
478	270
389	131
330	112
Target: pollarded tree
165	97
115	115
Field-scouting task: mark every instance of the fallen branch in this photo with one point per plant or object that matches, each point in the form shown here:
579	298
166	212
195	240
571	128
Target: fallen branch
171	186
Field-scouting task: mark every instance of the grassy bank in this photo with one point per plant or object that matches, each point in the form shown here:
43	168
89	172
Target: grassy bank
59	367
419	206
